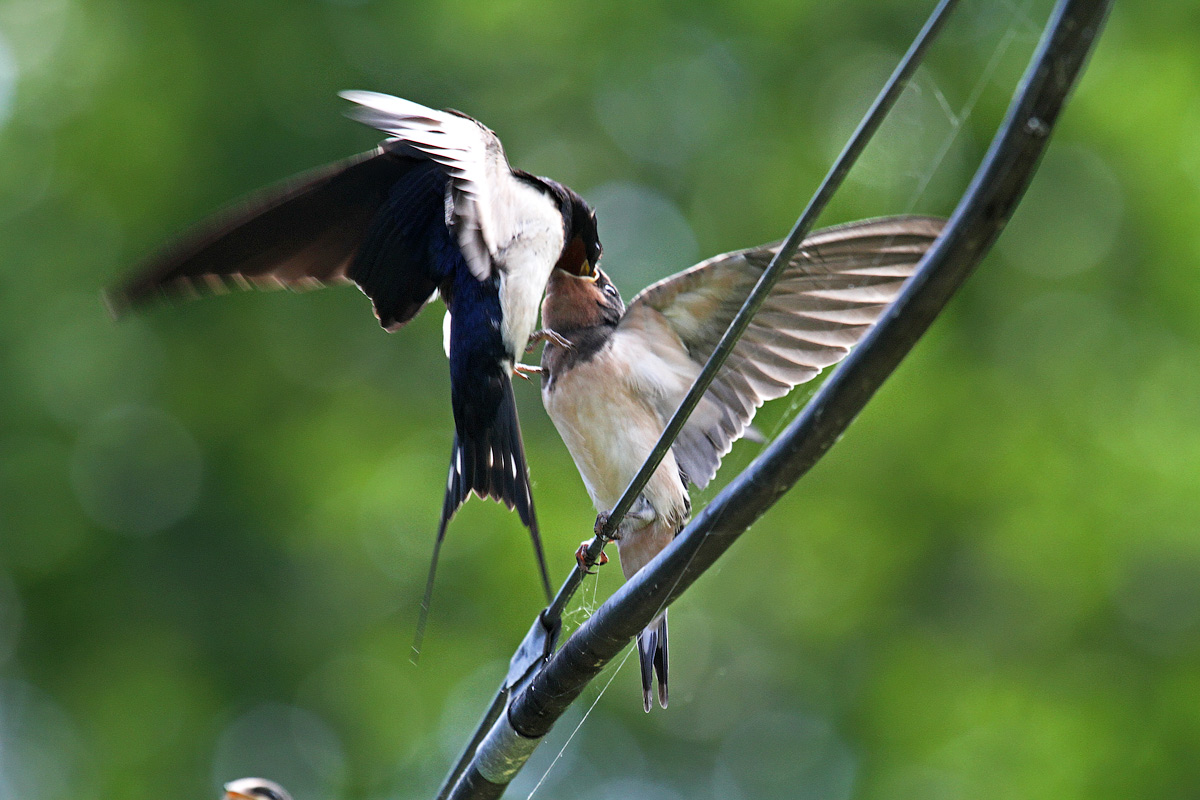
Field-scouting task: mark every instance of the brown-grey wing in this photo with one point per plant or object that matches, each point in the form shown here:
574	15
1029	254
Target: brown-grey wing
837	285
303	234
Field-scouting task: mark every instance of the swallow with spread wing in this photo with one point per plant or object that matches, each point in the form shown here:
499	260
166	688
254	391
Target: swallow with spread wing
614	375
436	209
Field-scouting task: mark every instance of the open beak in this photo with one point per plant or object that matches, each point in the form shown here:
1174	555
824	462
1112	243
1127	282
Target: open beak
586	273
574	261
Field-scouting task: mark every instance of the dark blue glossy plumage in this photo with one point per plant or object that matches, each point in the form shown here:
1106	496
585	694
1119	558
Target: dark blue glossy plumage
435	209
407	253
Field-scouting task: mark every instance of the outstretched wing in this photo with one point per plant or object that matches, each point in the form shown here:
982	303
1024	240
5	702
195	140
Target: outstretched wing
483	211
366	220
837	285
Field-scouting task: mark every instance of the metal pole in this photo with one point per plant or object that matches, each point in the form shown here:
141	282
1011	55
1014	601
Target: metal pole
987	205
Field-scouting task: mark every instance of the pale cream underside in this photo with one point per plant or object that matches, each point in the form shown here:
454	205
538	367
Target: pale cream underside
528	259
601	411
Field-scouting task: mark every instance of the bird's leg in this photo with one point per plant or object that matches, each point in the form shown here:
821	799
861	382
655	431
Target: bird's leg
598	529
581	555
641	515
546	335
526	370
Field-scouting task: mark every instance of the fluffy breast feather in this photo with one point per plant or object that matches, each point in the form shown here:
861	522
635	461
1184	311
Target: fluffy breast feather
604	410
526	261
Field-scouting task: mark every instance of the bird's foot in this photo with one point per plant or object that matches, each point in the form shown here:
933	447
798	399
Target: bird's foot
581	555
526	370
598	529
547	335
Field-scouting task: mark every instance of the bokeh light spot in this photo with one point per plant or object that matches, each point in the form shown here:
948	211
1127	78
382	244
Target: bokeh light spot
290	745
79	363
1074	191
38	745
788	755
644	234
8	81
905	161
136	470
668	112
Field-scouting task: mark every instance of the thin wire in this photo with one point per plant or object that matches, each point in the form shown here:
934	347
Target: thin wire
956	127
1020	12
791	245
595	593
957	120
833	180
1038	93
762	289
567	743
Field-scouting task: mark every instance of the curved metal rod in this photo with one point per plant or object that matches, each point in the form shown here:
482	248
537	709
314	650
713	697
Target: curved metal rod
541	638
758	295
994	192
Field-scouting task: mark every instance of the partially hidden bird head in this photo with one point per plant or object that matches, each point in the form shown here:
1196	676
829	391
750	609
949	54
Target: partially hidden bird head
255	789
581	251
575	302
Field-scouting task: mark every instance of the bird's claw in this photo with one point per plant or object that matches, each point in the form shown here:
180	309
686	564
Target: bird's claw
598	529
547	335
526	370
581	555
602	559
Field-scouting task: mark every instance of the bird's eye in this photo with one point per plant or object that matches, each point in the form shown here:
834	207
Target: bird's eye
266	792
611	291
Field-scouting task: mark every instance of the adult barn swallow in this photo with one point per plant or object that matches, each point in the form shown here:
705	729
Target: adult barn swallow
611	392
255	789
435	209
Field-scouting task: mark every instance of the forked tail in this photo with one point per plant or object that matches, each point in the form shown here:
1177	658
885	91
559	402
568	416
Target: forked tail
652	653
491	463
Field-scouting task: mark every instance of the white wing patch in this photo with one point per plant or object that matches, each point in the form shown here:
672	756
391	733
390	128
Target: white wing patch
482	213
503	223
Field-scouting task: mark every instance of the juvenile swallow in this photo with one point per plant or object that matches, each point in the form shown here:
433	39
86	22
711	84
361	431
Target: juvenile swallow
614	376
255	789
435	209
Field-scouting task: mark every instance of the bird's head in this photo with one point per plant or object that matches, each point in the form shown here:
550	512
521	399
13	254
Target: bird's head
583	223
255	789
574	302
581	249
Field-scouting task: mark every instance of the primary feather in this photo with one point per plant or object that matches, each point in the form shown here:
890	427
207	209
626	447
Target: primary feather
834	288
436	209
611	393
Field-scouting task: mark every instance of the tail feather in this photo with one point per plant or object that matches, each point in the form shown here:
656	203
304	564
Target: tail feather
490	463
652	653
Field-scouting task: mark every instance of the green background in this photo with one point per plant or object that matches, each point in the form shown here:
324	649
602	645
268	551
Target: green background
215	518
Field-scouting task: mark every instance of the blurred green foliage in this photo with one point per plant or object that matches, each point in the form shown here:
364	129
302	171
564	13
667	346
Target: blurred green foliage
215	518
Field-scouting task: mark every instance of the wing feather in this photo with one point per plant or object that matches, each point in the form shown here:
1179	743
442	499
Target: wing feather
840	281
483	210
300	235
